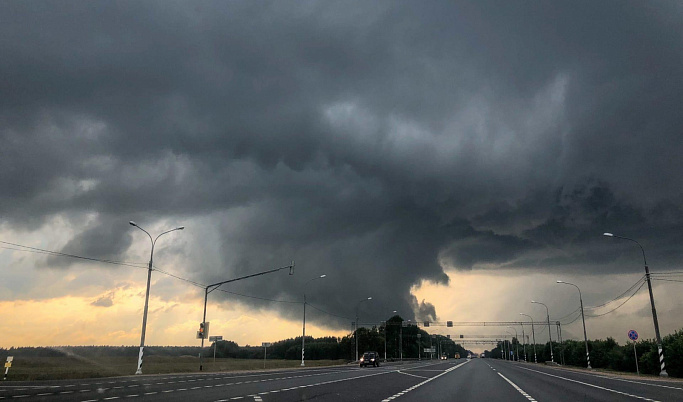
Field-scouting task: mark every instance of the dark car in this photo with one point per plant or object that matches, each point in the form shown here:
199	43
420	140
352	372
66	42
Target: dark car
369	359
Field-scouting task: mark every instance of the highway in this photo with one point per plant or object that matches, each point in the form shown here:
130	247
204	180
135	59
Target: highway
462	380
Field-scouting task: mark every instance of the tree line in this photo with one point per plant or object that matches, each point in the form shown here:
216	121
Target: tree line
606	354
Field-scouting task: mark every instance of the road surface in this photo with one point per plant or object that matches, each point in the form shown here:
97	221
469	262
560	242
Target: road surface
436	380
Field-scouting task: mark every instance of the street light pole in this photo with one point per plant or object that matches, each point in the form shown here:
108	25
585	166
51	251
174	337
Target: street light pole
585	337
303	337
356	331
533	333
524	342
663	372
385	339
516	336
550	338
212	287
149	279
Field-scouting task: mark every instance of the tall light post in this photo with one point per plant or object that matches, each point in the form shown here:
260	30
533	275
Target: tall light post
663	372
356	331
516	336
533	333
214	286
550	338
585	337
523	341
510	345
303	337
149	278
385	338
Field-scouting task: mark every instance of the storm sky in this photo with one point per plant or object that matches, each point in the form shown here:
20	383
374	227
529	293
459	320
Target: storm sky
386	144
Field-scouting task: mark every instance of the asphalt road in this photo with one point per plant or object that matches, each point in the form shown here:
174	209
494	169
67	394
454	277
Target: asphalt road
461	380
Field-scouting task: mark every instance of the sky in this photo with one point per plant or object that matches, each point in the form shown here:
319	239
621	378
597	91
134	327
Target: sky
451	160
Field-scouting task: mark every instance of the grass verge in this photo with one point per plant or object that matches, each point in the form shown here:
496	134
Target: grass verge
60	368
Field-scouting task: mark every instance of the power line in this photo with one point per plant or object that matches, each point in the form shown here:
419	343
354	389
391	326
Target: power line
629	298
180	278
666	280
323	311
618	297
57	253
259	298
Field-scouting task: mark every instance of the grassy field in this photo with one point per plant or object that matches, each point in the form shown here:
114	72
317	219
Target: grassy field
55	368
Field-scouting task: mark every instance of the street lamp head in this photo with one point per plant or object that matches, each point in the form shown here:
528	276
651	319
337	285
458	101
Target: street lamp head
133	223
323	275
534	301
608	234
370	298
559	281
180	228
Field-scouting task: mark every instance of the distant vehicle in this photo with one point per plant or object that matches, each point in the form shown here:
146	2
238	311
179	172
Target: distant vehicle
369	359
444	356
457	356
469	356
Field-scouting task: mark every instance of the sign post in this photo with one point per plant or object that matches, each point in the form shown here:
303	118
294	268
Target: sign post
8	364
215	339
633	335
265	350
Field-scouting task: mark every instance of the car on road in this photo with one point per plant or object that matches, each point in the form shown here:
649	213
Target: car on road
369	359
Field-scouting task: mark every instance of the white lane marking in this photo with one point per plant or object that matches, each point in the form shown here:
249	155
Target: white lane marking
316	384
625	380
412	375
424	382
592	385
521	391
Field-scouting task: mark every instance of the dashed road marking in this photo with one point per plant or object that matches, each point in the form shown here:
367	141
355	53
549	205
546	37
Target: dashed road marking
423	382
521	391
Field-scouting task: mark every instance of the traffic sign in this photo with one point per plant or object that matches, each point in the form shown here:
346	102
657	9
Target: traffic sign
429	350
266	344
215	338
633	335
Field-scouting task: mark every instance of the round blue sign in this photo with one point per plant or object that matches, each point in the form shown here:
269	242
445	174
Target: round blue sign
632	335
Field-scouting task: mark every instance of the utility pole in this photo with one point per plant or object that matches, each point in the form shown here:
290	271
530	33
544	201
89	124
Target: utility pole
662	372
212	287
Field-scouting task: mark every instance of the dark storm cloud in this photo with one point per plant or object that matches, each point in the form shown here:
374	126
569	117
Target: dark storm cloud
369	141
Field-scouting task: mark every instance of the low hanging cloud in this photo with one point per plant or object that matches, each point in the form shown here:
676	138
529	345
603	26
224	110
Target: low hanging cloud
381	144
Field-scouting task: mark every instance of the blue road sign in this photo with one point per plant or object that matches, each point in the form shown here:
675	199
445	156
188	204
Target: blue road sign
633	335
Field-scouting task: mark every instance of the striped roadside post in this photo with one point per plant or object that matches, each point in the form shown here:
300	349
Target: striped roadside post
662	372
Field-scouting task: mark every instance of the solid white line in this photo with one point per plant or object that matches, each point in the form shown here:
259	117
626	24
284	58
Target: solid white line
592	385
412	375
423	382
521	391
625	380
